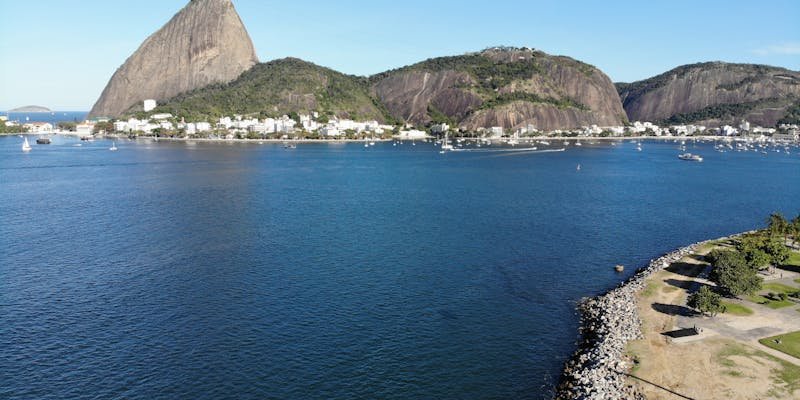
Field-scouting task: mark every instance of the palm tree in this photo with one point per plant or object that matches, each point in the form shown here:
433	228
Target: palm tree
778	225
795	229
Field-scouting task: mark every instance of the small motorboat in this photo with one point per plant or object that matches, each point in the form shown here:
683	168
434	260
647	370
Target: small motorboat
43	140
690	157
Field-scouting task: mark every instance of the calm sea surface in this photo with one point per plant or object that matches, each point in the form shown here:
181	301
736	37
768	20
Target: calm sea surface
51	117
207	271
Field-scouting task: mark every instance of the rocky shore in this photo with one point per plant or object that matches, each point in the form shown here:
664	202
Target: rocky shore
598	369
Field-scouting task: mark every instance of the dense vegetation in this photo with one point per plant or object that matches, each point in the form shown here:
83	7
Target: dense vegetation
735	271
281	87
706	301
721	112
792	115
11	128
532	98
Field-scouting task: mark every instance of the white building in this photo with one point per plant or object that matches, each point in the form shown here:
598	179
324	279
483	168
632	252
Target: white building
39	127
202	126
413	134
86	128
149	105
496	131
161	116
330	130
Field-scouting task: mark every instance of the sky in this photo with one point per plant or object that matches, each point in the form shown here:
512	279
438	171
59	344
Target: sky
61	53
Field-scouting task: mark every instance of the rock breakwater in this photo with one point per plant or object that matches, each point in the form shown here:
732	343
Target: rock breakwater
598	369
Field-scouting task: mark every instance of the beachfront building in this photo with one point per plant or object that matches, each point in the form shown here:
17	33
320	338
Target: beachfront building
412	134
86	128
330	130
38	127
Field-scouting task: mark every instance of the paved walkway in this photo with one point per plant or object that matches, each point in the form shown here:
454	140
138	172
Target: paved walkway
764	322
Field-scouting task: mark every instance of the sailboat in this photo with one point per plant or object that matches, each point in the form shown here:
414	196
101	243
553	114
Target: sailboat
113	146
446	144
26	147
578	168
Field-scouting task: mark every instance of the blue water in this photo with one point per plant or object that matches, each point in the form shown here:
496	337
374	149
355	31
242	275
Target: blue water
51	117
206	271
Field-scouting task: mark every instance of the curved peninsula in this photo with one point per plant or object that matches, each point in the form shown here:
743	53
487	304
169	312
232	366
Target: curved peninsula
657	337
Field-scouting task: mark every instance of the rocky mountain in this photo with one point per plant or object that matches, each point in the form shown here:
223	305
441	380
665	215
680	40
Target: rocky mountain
712	94
507	87
205	43
282	87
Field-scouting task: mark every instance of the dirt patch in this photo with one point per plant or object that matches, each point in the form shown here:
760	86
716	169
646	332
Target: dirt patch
713	368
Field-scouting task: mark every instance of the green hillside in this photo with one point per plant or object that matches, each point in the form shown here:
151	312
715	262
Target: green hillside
281	87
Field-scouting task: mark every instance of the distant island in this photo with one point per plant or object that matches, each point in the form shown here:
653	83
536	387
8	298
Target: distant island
31	109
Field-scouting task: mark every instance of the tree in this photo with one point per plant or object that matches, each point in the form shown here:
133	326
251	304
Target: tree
778	226
752	249
777	251
706	301
795	229
104	127
733	274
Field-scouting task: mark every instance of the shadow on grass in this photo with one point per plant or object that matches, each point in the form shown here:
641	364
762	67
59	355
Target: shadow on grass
790	268
672	309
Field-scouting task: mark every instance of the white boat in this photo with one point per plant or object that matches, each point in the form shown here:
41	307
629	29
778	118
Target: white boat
690	157
26	147
113	146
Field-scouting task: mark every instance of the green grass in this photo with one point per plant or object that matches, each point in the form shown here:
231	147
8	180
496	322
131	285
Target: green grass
736	309
669	289
778	288
794	259
773	304
774	288
650	289
790	343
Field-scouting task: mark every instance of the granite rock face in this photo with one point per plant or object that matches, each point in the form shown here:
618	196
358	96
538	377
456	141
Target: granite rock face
713	94
205	43
506	87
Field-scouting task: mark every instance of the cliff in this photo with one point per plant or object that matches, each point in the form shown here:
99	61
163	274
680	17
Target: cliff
204	43
713	94
281	87
507	87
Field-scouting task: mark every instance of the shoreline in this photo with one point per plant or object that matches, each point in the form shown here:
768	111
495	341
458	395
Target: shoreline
598	368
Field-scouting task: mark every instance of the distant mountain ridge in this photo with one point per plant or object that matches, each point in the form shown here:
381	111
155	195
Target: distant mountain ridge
31	109
500	86
281	87
202	64
713	93
506	87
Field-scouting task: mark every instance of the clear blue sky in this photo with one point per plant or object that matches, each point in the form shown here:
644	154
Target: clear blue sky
61	53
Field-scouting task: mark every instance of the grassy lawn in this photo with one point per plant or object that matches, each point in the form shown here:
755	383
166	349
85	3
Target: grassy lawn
774	288
790	343
736	309
769	303
794	259
778	288
650	289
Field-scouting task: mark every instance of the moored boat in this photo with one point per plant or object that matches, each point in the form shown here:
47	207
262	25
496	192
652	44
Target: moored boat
690	157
